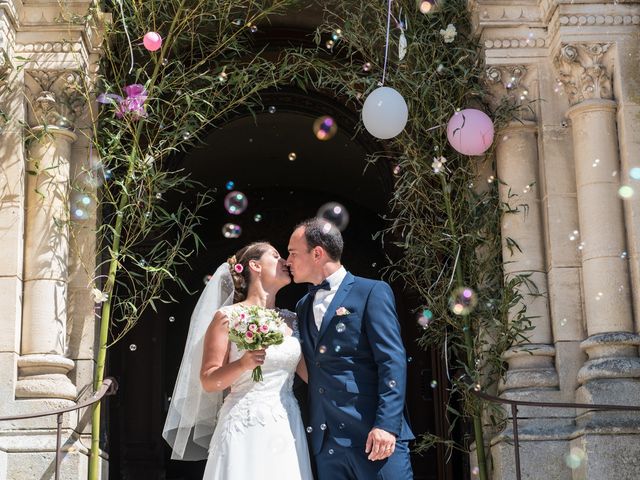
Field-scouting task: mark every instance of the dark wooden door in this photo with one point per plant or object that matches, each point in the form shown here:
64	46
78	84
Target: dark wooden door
254	155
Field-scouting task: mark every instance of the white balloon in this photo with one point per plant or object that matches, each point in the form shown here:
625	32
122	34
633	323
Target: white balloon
384	113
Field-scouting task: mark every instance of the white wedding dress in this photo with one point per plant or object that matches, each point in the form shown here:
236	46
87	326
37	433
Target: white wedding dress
260	433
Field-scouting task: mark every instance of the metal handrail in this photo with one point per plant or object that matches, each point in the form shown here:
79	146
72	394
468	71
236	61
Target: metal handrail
109	387
514	412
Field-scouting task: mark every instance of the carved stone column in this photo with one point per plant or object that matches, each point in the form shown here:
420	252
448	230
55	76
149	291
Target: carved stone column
531	365
613	364
43	368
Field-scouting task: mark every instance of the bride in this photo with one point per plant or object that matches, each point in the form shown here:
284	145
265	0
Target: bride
245	429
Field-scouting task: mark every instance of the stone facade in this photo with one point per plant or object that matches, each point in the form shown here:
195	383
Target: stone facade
571	69
48	50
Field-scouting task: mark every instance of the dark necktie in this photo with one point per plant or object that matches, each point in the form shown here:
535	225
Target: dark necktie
313	289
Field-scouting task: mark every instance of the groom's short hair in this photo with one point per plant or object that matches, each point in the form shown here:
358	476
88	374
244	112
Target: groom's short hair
317	234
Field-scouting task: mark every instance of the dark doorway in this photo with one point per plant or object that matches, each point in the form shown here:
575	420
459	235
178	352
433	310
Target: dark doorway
254	154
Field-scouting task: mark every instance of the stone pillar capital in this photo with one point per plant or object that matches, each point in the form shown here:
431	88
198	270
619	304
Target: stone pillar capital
56	97
585	70
511	84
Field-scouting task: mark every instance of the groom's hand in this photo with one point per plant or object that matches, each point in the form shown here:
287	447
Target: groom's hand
380	444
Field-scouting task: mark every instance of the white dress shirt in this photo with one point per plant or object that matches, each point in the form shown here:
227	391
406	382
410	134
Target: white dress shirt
324	298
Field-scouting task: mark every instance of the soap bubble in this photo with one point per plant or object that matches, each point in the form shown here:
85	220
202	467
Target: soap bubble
324	128
574	458
462	301
334	213
425	318
231	230
235	202
625	191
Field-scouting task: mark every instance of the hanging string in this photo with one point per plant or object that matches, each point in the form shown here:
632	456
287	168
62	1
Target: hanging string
126	32
386	43
437	126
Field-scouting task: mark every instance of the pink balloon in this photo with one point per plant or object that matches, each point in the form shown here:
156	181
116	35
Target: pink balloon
470	132
152	41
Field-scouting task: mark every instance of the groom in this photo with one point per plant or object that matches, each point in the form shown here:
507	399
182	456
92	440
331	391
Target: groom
356	361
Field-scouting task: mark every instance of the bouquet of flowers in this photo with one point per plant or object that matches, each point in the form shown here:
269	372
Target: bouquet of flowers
254	328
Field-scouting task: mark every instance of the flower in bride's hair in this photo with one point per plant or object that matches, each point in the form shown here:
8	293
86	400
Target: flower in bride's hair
238	268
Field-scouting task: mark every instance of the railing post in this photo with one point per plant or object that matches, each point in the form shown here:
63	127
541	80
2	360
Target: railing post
58	449
516	440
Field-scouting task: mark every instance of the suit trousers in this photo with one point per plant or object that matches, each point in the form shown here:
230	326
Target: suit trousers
351	463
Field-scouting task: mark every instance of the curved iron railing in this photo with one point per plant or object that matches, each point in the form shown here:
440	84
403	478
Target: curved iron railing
109	387
514	412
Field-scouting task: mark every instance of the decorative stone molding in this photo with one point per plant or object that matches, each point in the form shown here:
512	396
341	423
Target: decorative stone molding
56	97
583	71
511	83
599	20
525	370
528	42
45	376
55	47
505	12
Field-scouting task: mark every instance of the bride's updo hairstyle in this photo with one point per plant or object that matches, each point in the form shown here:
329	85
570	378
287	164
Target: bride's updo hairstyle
239	267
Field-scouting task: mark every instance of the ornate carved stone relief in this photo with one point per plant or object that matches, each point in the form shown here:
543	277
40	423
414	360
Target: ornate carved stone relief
583	71
511	83
56	97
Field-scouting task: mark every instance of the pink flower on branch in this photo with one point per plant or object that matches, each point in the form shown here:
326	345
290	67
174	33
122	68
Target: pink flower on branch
133	103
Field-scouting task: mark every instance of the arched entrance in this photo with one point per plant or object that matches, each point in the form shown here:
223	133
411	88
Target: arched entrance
253	152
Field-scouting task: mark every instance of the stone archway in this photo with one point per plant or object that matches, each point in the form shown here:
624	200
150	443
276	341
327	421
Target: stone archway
283	192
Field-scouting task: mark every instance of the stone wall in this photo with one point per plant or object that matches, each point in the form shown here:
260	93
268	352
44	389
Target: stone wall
572	69
48	50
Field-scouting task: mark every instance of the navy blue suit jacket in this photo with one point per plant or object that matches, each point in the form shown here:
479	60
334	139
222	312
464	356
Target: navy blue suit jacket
357	365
